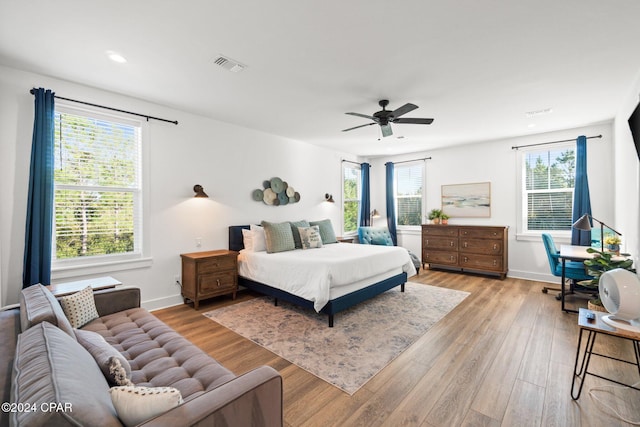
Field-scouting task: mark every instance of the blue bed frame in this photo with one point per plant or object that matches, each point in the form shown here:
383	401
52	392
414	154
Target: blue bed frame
333	306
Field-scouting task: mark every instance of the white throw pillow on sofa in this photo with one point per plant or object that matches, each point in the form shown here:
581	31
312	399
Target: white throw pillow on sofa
136	404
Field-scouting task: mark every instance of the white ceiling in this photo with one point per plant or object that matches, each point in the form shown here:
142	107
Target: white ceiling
475	66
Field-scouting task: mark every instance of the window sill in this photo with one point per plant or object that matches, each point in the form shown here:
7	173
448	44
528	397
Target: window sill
65	272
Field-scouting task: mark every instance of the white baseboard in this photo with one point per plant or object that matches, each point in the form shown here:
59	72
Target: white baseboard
157	304
537	277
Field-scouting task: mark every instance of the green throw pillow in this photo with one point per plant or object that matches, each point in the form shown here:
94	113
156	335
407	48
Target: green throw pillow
296	234
278	236
326	231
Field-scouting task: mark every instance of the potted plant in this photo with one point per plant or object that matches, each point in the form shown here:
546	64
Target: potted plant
603	261
444	218
613	243
434	215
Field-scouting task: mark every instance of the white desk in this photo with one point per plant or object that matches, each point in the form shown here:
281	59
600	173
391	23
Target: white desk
574	253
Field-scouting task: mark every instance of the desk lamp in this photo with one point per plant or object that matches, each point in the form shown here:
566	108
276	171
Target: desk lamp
583	223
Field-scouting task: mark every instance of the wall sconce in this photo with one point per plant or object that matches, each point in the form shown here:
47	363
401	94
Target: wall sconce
199	191
374	214
328	197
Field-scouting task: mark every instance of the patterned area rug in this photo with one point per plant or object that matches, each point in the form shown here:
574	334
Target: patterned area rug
364	339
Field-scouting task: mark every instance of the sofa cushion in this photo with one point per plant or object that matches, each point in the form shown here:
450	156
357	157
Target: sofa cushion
327	234
50	367
136	404
158	355
106	357
80	308
296	234
37	304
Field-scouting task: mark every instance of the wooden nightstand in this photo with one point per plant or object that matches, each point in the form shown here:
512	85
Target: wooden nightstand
209	274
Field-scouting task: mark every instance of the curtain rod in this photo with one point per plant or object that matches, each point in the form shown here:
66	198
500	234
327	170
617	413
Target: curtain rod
515	147
414	160
349	161
175	122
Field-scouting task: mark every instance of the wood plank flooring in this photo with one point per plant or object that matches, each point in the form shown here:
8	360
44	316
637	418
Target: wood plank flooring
503	357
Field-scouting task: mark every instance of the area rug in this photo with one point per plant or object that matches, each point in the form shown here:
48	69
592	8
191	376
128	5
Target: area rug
364	339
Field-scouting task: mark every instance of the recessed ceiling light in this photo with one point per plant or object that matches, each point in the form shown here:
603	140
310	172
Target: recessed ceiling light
116	57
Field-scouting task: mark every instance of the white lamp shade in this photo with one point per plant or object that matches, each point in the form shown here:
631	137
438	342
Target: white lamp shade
620	293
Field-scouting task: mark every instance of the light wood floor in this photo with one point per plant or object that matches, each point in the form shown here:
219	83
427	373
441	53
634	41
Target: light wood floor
503	357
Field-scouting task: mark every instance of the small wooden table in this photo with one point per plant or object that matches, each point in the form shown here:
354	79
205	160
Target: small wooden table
593	328
98	283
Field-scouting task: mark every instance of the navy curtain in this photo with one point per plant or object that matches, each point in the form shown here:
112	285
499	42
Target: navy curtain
391	203
37	247
581	199
365	202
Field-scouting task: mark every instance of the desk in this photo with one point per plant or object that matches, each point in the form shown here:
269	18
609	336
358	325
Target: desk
593	329
62	289
571	253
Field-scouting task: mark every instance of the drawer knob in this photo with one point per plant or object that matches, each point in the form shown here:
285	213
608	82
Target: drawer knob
466	259
218	282
451	243
495	262
464	244
495	247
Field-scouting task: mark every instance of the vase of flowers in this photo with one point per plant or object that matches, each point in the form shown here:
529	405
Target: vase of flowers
613	244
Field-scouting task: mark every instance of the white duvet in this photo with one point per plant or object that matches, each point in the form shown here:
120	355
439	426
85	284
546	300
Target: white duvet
311	273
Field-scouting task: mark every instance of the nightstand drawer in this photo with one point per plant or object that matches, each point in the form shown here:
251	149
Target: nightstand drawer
216	264
217	282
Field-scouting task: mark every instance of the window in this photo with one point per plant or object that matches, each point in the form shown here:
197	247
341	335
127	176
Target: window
97	186
350	197
548	178
409	185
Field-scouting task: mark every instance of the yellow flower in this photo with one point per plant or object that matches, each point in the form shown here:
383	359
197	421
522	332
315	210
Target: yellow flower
612	240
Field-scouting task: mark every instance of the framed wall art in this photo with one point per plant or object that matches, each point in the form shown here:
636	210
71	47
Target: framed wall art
467	200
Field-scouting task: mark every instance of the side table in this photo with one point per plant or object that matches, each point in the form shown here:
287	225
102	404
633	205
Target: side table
209	274
68	288
592	329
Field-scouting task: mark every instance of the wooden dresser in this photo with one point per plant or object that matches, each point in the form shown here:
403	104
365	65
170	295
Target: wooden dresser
466	247
209	274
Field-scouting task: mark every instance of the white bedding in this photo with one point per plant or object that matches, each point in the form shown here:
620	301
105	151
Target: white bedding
312	274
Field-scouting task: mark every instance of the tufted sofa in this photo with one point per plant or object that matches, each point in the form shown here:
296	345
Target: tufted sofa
42	362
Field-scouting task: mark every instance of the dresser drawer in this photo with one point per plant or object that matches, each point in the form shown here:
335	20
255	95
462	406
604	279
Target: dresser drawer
442	258
439	230
482	233
222	282
216	264
479	246
481	262
440	243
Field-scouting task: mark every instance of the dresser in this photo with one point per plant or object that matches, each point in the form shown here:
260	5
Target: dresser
209	274
466	247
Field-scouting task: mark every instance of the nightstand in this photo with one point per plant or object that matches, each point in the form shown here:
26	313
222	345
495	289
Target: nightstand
209	274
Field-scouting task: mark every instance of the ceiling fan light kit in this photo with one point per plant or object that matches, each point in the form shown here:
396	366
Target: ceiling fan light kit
384	117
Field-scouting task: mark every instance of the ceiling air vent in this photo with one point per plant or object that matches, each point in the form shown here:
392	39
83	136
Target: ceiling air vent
229	64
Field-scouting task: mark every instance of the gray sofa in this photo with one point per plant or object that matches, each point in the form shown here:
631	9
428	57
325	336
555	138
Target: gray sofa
42	364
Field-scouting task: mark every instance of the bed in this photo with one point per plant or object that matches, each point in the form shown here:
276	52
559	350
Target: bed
329	270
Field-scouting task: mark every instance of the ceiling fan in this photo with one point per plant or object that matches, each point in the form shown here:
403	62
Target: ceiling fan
384	117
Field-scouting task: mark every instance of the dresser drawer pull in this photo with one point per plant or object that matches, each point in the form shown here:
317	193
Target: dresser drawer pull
495	247
451	243
495	262
451	258
218	282
465	244
466	259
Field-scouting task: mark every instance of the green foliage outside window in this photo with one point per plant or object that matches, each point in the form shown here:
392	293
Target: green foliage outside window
351	202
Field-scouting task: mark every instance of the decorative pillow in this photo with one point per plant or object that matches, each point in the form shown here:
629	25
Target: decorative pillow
258	238
80	308
112	363
247	240
37	304
278	236
310	237
296	233
326	231
137	404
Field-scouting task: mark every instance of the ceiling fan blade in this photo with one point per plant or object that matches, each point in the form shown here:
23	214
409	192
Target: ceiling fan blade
414	121
362	115
386	130
403	110
356	127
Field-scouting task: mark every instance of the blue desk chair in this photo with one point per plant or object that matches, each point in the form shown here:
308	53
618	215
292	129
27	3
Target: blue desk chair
574	271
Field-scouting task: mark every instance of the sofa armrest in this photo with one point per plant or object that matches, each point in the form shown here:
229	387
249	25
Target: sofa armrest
109	301
252	399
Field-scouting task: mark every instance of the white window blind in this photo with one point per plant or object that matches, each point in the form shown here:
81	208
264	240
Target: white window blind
350	197
97	185
549	179
409	180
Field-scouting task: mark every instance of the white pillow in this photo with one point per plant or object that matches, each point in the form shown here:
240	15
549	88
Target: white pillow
259	239
247	239
137	404
80	308
310	237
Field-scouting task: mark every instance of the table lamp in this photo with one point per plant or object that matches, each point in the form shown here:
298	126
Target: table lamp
583	223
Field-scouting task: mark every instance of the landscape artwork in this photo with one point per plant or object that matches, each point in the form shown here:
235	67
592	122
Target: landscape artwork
467	200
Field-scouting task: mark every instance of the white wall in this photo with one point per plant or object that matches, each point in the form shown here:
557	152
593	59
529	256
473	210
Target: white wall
495	161
227	160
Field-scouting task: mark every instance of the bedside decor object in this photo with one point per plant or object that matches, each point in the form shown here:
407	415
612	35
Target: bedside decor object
276	192
374	214
467	200
328	197
199	191
583	223
434	215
